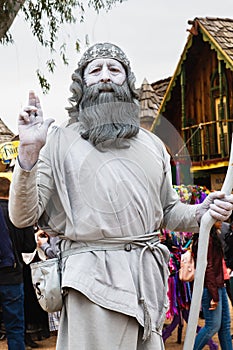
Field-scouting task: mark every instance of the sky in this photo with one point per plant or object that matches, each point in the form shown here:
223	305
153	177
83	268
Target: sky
152	33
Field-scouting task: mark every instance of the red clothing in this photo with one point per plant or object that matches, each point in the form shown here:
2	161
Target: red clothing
214	277
225	272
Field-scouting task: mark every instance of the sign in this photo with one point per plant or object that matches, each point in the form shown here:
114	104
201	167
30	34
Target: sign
8	151
217	181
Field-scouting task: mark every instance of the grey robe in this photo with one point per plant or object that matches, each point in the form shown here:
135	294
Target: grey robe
91	197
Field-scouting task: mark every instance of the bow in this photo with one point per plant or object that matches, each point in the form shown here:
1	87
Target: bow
205	226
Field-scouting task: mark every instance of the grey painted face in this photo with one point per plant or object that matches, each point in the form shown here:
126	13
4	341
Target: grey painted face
104	70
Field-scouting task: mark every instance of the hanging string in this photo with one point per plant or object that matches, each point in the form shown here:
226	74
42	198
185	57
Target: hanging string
190	138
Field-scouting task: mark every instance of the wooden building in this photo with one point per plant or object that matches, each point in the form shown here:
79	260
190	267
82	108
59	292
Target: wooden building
197	106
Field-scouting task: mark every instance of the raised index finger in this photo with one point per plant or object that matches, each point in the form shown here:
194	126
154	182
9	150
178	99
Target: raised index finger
32	98
37	103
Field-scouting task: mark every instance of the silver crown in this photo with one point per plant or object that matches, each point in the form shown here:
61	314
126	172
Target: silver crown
103	50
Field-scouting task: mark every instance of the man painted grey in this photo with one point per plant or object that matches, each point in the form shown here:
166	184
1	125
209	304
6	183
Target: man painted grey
104	185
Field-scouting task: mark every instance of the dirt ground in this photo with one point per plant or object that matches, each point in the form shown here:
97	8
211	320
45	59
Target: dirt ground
170	344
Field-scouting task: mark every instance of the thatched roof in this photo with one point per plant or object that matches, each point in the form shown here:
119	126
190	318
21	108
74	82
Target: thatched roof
5	133
150	98
219	32
148	101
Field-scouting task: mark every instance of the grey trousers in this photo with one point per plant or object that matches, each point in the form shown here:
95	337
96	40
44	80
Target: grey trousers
87	326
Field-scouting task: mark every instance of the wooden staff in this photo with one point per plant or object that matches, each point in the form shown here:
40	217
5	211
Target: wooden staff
205	226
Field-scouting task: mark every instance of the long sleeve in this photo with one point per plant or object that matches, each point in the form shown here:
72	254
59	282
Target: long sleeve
50	249
27	201
210	280
178	216
214	277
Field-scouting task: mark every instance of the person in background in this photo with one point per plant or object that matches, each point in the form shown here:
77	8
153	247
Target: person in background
215	303
228	255
166	238
228	251
36	319
105	184
226	237
2	327
49	245
13	242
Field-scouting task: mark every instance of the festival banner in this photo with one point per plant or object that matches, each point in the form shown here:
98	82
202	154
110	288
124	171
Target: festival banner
8	151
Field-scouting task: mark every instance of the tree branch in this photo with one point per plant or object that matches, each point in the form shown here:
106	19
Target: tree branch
8	12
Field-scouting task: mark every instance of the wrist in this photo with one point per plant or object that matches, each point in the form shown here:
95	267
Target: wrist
28	155
198	213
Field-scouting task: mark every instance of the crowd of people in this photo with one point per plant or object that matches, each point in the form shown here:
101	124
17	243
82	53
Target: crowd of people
102	185
22	320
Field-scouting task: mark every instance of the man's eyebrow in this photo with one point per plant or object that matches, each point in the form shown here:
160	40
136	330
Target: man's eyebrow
94	65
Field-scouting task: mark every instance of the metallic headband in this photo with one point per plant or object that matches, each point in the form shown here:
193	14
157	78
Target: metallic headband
103	50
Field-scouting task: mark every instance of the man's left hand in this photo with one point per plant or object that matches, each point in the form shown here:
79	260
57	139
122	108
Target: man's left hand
220	206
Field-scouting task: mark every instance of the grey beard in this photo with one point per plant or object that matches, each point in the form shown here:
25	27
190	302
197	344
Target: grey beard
108	115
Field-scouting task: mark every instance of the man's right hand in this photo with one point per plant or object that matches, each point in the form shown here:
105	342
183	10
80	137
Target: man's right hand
32	132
